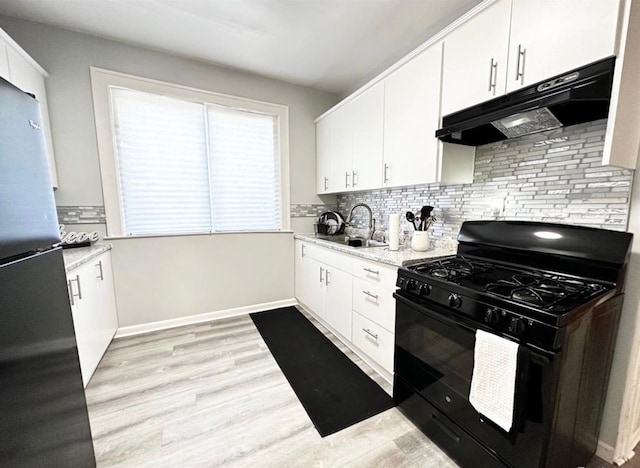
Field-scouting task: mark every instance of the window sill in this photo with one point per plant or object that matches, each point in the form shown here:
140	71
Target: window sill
226	233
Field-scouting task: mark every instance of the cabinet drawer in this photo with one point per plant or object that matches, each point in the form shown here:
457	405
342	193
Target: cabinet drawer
375	272
373	340
328	257
375	302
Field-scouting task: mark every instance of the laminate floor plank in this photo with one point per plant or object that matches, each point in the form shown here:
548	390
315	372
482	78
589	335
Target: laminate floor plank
211	394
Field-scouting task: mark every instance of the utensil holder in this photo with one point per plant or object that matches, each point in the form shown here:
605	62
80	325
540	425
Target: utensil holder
420	241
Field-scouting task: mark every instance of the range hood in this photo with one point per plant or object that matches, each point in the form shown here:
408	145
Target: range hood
580	95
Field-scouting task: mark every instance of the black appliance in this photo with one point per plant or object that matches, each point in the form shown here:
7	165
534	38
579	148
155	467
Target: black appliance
554	289
580	95
44	420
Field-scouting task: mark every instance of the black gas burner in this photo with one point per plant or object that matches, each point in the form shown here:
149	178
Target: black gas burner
542	290
454	269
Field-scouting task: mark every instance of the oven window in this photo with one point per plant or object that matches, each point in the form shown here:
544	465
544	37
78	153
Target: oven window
443	350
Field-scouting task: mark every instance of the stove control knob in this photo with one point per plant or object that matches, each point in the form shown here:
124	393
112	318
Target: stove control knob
410	285
424	289
455	300
492	316
517	326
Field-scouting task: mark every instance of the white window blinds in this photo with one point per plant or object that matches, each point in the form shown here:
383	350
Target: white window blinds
189	167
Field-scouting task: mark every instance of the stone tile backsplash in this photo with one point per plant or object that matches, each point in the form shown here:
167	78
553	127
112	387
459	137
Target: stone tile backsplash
81	215
552	176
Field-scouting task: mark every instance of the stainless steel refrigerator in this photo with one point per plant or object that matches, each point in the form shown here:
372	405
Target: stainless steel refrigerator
43	411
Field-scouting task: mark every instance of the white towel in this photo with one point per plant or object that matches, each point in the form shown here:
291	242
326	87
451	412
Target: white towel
493	384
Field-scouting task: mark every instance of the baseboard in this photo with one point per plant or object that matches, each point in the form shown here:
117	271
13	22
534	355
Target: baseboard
193	319
605	451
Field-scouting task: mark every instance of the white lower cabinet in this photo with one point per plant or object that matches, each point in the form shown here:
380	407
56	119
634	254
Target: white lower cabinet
373	340
93	307
338	305
354	297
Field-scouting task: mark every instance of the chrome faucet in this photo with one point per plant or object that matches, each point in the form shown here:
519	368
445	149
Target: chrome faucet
372	221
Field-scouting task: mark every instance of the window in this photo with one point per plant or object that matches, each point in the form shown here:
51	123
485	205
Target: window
178	161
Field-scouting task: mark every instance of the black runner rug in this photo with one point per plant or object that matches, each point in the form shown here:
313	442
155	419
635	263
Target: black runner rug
333	390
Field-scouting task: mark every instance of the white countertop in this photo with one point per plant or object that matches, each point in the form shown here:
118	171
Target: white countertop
399	258
75	257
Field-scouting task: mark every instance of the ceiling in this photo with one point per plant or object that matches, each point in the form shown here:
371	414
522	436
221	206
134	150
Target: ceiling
326	44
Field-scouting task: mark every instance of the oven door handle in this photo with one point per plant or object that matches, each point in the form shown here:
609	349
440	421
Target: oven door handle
537	355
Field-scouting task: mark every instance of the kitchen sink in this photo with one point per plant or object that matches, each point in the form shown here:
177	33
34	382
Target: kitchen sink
356	242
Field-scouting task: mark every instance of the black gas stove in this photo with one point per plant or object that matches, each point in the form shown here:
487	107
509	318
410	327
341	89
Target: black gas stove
556	290
523	302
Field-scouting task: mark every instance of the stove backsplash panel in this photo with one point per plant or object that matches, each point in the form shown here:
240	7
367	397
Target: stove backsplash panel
552	176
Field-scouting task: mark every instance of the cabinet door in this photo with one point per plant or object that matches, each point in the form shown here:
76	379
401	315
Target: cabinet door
323	154
29	79
475	59
105	299
82	292
411	118
300	274
367	114
339	301
550	37
334	148
314	286
341	157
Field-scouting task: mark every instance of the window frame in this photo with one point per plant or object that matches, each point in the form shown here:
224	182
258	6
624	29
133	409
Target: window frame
101	82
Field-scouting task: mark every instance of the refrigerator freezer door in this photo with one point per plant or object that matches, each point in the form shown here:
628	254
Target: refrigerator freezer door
28	219
44	414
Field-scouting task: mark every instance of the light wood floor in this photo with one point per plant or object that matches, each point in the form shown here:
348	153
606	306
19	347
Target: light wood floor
212	395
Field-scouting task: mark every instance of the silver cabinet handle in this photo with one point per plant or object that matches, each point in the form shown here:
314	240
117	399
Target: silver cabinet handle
354	182
346	179
372	296
386	173
370	333
493	75
373	272
321	277
326	183
303	246
522	54
79	295
326	277
101	275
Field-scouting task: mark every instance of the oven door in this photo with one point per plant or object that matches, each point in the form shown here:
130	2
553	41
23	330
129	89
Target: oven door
434	355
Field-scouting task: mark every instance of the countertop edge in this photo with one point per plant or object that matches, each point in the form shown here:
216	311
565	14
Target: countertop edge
380	254
76	257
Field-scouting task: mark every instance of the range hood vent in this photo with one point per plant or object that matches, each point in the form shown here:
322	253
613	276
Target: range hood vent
578	96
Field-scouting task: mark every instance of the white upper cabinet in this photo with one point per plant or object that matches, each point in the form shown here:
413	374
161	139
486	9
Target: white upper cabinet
475	59
367	113
550	37
20	69
411	117
334	142
349	145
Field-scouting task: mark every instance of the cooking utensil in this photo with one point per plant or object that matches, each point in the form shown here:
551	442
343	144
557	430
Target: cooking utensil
412	219
423	218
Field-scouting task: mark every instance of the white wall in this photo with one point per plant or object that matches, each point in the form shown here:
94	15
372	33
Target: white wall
163	278
67	57
160	279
